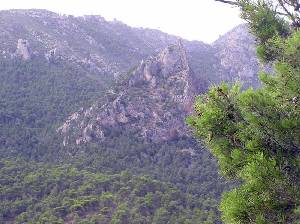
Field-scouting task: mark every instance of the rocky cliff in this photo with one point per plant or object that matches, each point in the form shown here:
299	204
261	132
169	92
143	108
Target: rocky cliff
152	106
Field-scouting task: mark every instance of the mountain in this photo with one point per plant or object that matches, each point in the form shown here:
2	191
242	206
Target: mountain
62	63
158	94
141	126
95	98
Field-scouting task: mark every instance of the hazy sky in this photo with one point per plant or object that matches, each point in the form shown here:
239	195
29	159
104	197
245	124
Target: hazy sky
202	20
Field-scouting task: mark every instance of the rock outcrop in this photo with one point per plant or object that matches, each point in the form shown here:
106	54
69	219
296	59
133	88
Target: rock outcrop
152	105
23	49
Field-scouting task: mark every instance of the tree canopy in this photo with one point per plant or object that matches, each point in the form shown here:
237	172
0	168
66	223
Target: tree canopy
255	134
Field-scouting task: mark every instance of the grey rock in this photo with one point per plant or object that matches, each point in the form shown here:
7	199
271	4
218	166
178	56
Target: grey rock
23	49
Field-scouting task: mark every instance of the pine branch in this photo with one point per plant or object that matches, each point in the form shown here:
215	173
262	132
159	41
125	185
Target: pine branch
281	3
227	2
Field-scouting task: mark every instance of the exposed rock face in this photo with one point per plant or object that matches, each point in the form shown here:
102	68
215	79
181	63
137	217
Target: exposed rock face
159	93
23	49
153	105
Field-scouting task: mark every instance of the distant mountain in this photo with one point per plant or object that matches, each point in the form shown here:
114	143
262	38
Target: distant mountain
102	47
158	94
107	49
237	54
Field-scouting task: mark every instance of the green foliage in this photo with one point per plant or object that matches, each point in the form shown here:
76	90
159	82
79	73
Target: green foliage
255	134
266	25
35	97
39	193
169	162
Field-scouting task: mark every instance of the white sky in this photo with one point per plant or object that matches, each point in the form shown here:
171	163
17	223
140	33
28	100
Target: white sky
203	20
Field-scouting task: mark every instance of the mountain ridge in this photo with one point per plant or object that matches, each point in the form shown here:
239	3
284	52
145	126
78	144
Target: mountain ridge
106	49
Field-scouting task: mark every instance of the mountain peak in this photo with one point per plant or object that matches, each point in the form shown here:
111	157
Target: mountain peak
174	56
170	61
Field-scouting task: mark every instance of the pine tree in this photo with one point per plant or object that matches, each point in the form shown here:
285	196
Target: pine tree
255	134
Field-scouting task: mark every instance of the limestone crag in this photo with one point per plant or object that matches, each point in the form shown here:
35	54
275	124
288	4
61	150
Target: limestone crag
153	105
23	49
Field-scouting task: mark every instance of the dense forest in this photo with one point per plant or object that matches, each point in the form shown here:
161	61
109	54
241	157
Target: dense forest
39	193
35	97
